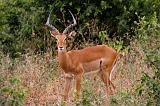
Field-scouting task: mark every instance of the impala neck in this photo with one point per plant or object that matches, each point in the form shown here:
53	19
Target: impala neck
62	56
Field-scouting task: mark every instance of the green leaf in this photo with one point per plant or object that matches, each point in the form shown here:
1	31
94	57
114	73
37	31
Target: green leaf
14	81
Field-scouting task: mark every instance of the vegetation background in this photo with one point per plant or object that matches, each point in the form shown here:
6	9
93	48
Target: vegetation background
29	74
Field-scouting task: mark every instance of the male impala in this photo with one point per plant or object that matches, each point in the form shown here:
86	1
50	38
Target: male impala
77	62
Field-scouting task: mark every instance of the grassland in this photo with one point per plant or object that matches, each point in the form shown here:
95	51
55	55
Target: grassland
37	80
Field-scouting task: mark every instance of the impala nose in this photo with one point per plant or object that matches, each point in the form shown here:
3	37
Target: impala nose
61	48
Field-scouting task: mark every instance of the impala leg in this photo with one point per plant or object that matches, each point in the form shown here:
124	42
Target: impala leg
68	81
105	78
78	85
110	82
105	70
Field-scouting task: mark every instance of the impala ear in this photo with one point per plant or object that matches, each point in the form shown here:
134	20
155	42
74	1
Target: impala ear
71	34
53	33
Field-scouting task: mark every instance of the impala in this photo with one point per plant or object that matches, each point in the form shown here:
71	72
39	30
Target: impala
77	62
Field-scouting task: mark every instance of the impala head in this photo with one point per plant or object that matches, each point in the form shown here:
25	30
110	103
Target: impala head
61	37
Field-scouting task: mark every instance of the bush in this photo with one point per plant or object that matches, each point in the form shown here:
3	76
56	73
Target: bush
149	36
22	21
12	94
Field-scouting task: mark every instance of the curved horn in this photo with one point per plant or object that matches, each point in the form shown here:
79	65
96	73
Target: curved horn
72	25
50	27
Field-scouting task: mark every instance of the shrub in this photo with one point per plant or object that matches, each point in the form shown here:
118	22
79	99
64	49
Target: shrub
12	94
22	21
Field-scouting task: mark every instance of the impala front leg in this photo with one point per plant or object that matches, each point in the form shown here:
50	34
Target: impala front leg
78	85
68	81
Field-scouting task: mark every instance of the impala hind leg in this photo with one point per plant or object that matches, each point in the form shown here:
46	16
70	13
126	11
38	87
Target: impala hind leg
107	71
105	78
111	85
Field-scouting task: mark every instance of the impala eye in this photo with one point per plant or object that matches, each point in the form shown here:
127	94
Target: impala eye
65	39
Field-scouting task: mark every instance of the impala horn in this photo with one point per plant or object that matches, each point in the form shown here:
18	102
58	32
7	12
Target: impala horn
50	27
70	26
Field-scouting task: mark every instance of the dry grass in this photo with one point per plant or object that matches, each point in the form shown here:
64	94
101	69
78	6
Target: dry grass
127	76
41	77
